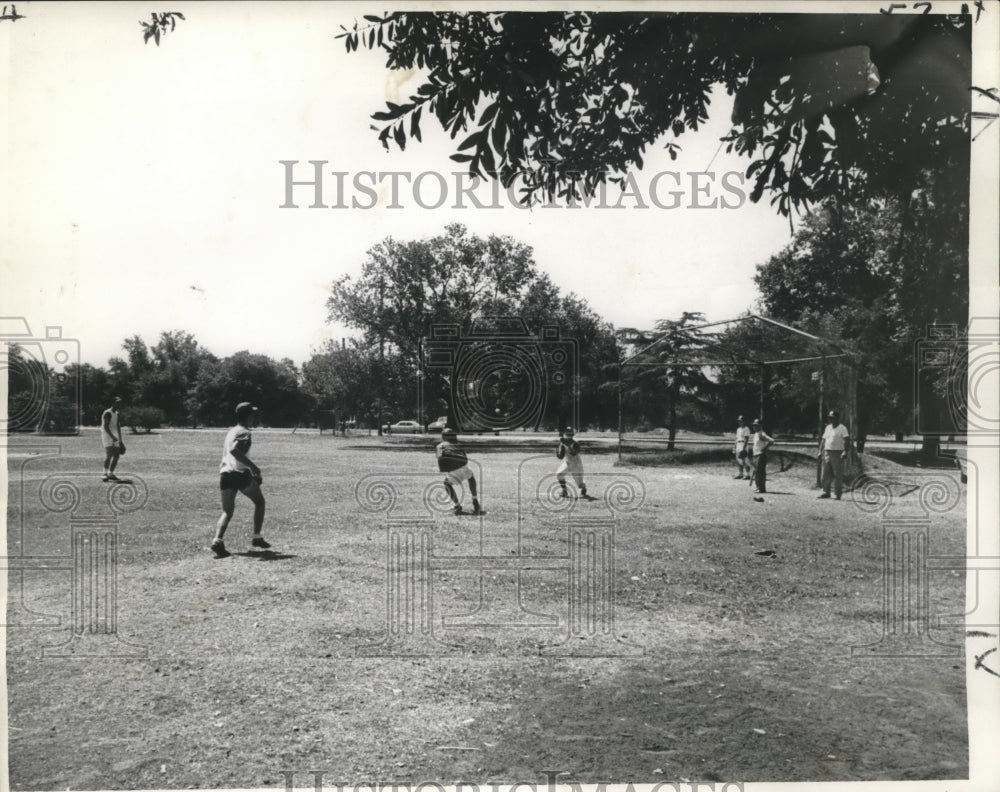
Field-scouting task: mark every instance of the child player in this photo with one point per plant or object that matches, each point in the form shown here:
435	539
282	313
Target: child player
453	462
572	463
239	474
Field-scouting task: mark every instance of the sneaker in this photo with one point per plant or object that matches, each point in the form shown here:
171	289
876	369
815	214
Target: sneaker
738	477
111	477
758	499
564	494
258	541
458	510
220	549
106	477
824	495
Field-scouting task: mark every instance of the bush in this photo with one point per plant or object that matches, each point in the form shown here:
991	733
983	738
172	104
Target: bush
143	418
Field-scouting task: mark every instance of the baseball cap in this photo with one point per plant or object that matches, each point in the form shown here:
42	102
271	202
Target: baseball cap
757	421
449	432
568	430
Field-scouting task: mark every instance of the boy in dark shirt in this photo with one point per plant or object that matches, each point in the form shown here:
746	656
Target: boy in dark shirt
453	462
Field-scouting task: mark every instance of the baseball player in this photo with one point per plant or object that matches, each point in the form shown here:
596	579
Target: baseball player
453	462
239	473
572	463
111	439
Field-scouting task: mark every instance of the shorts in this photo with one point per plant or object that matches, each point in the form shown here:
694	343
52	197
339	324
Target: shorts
459	475
235	479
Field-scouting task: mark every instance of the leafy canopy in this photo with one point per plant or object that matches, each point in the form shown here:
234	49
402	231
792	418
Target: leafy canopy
558	103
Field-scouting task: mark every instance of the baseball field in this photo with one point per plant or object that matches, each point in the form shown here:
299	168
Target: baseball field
670	629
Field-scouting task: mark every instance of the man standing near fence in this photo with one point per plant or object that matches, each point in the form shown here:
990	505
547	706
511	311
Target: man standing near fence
761	442
833	452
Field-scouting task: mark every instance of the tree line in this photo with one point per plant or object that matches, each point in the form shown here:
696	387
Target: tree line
869	279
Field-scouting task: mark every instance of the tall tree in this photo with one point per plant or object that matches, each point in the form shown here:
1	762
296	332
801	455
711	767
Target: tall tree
657	378
876	277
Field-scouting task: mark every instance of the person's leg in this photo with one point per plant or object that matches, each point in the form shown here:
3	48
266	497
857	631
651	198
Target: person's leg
253	492
827	474
228	504
838	474
109	452
578	478
115	456
562	485
475	494
762	474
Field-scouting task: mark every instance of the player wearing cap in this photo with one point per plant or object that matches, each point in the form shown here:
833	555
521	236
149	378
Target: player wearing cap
453	462
111	439
239	473
572	463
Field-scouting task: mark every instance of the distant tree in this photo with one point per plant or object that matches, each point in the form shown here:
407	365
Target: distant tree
487	289
657	379
875	277
177	361
271	385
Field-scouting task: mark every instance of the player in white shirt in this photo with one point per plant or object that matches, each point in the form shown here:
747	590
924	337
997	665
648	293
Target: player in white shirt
761	442
833	451
111	439
740	451
239	473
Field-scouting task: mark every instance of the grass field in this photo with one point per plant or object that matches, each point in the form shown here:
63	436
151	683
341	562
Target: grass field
739	617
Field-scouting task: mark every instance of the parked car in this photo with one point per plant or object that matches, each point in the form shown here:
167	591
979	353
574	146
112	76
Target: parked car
438	425
403	427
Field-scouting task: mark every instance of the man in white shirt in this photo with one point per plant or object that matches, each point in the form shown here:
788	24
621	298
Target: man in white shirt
239	473
761	442
741	452
833	452
111	439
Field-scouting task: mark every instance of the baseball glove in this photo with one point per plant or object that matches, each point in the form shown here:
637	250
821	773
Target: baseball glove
121	449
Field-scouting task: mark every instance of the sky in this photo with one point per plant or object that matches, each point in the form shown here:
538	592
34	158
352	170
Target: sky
144	186
145	183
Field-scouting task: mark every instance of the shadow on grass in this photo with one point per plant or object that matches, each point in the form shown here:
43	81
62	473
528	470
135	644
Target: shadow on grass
264	555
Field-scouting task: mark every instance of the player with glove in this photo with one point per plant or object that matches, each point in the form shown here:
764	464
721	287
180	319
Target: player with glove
572	463
239	473
454	463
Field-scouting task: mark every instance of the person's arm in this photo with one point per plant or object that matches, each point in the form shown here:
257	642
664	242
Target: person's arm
847	440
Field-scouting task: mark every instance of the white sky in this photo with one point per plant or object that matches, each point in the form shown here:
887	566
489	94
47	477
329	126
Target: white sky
144	182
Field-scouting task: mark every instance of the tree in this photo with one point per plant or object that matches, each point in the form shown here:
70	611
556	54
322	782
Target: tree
875	277
825	104
487	291
407	287
657	379
177	361
271	385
